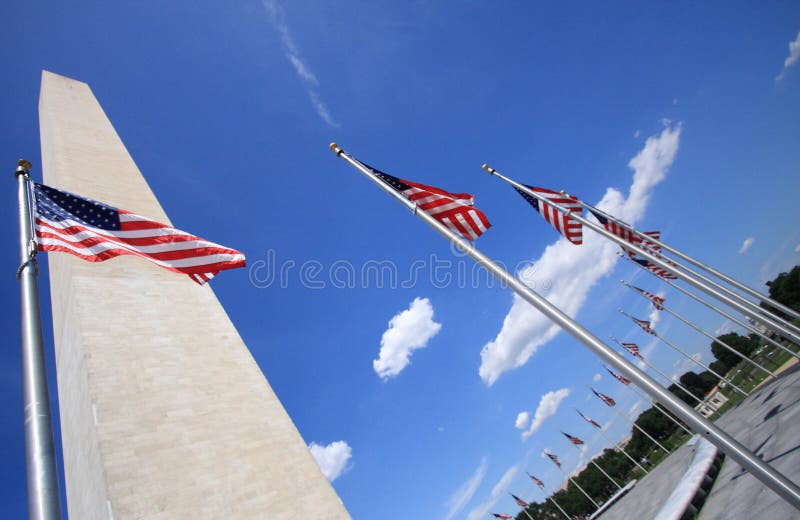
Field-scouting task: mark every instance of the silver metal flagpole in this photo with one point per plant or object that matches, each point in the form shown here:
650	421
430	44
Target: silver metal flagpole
727	444
596	465
576	485
732	281
691	277
708	335
553	500
687	356
616	447
629	420
655	405
716	309
40	454
665	376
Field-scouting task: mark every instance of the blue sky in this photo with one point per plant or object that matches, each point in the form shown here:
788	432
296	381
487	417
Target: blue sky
228	108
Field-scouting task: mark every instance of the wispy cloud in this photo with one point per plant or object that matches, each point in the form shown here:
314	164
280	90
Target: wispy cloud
464	493
791	59
569	272
548	406
408	331
597	378
746	245
497	491
522	420
333	459
292	52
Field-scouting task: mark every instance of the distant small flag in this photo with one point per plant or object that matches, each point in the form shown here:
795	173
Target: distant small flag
657	301
536	480
520	502
622	379
454	210
569	227
633	348
656	270
574	440
554	459
606	399
590	420
95	231
645	325
502	515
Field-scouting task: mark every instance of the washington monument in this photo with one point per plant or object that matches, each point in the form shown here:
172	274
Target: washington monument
164	412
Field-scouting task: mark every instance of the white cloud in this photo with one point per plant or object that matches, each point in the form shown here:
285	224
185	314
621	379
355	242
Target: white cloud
726	327
566	273
597	378
522	420
464	493
408	330
797	248
333	459
684	364
654	317
292	53
502	485
791	59
746	245
548	406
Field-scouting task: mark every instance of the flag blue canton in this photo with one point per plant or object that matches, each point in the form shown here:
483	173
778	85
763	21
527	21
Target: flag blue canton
391	180
533	201
57	206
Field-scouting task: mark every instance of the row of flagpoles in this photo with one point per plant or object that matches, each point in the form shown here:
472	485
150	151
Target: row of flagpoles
455	217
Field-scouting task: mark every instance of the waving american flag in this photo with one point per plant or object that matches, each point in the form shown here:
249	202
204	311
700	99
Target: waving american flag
569	227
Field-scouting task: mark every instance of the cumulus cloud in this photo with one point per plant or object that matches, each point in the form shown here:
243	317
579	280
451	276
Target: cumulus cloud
565	273
333	459
497	491
597	378
548	406
746	245
464	493
408	331
791	59
292	53
522	420
655	316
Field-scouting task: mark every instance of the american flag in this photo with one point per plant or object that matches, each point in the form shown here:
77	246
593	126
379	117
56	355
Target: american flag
590	420
645	244
520	502
606	399
569	227
554	459
633	348
574	440
656	270
95	231
454	210
645	325
503	516
617	228
657	301
536	480
622	379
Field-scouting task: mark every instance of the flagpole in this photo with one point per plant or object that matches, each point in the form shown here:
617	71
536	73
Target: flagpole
553	500
665	376
687	356
732	281
616	447
576	485
692	278
709	335
638	428
525	510
40	454
719	311
727	444
655	405
598	467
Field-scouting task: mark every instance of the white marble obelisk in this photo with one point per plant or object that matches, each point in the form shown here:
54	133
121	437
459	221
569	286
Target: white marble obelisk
164	412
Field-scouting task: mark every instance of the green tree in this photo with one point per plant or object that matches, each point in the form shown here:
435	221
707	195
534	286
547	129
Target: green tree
743	344
785	288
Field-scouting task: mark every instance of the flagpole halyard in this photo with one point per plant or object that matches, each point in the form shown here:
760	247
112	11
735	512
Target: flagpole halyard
761	470
732	281
691	277
40	455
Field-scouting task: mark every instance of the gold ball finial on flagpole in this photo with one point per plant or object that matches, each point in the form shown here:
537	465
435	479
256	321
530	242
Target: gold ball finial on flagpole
335	148
25	164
